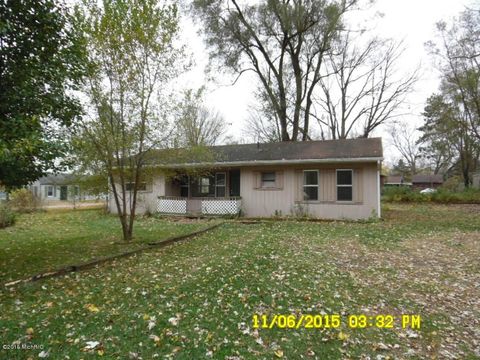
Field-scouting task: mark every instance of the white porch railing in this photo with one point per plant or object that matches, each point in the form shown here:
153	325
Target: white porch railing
205	206
172	205
221	206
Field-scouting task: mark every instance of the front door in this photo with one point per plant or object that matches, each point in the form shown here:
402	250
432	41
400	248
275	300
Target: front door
63	192
234	182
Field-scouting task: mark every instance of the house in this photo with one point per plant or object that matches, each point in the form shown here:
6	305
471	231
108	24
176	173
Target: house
476	180
54	187
333	179
421	181
396	180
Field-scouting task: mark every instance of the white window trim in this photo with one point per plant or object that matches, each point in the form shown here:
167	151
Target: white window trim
337	186
53	191
224	185
317	186
201	185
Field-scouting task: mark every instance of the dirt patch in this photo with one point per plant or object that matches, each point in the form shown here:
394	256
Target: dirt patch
438	275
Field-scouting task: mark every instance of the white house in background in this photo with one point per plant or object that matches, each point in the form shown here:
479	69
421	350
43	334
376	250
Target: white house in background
333	179
55	187
476	180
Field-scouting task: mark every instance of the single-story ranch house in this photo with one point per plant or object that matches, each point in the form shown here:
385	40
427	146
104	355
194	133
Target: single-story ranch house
54	187
422	181
332	179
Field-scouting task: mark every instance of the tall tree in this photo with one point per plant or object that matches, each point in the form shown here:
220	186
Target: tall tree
195	123
362	90
446	124
41	61
132	57
457	51
405	139
262	122
282	42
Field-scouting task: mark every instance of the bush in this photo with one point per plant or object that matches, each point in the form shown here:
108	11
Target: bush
403	194
24	201
454	183
468	196
7	216
443	196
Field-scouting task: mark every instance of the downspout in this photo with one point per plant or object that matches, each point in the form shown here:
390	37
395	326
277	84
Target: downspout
379	166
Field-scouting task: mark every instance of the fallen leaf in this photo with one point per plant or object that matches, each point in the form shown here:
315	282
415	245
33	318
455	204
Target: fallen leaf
279	353
92	308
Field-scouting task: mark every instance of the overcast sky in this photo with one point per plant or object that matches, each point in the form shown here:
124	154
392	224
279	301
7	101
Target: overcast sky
412	21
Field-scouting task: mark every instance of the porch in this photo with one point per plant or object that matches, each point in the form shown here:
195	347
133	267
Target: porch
214	193
177	205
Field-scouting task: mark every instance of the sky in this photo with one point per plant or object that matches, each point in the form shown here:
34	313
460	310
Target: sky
410	21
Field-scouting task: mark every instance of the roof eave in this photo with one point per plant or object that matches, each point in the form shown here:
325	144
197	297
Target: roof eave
270	162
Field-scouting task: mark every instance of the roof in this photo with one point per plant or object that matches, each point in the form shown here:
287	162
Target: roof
56	179
435	179
394	179
363	149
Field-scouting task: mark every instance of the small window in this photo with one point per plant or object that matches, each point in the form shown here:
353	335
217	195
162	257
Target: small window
310	185
184	186
204	185
50	191
141	187
344	185
220	181
268	179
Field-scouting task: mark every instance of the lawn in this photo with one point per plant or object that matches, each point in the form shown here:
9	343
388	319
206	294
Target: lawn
196	299
45	241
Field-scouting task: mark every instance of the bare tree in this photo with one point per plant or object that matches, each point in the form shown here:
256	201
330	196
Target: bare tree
196	124
405	139
362	91
262	122
282	42
458	53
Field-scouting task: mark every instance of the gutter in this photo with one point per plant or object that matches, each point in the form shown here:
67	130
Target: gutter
269	162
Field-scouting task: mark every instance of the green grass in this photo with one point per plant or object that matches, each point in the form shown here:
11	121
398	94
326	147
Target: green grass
45	241
199	296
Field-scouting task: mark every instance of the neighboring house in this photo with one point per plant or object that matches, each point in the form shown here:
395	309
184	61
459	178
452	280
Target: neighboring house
476	180
396	181
58	187
334	179
420	182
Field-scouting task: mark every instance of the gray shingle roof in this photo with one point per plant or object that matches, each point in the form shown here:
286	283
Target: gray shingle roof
345	149
57	179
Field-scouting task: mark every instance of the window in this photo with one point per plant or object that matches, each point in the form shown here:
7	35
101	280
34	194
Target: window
310	185
204	185
220	182
344	185
140	187
268	179
184	186
50	191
